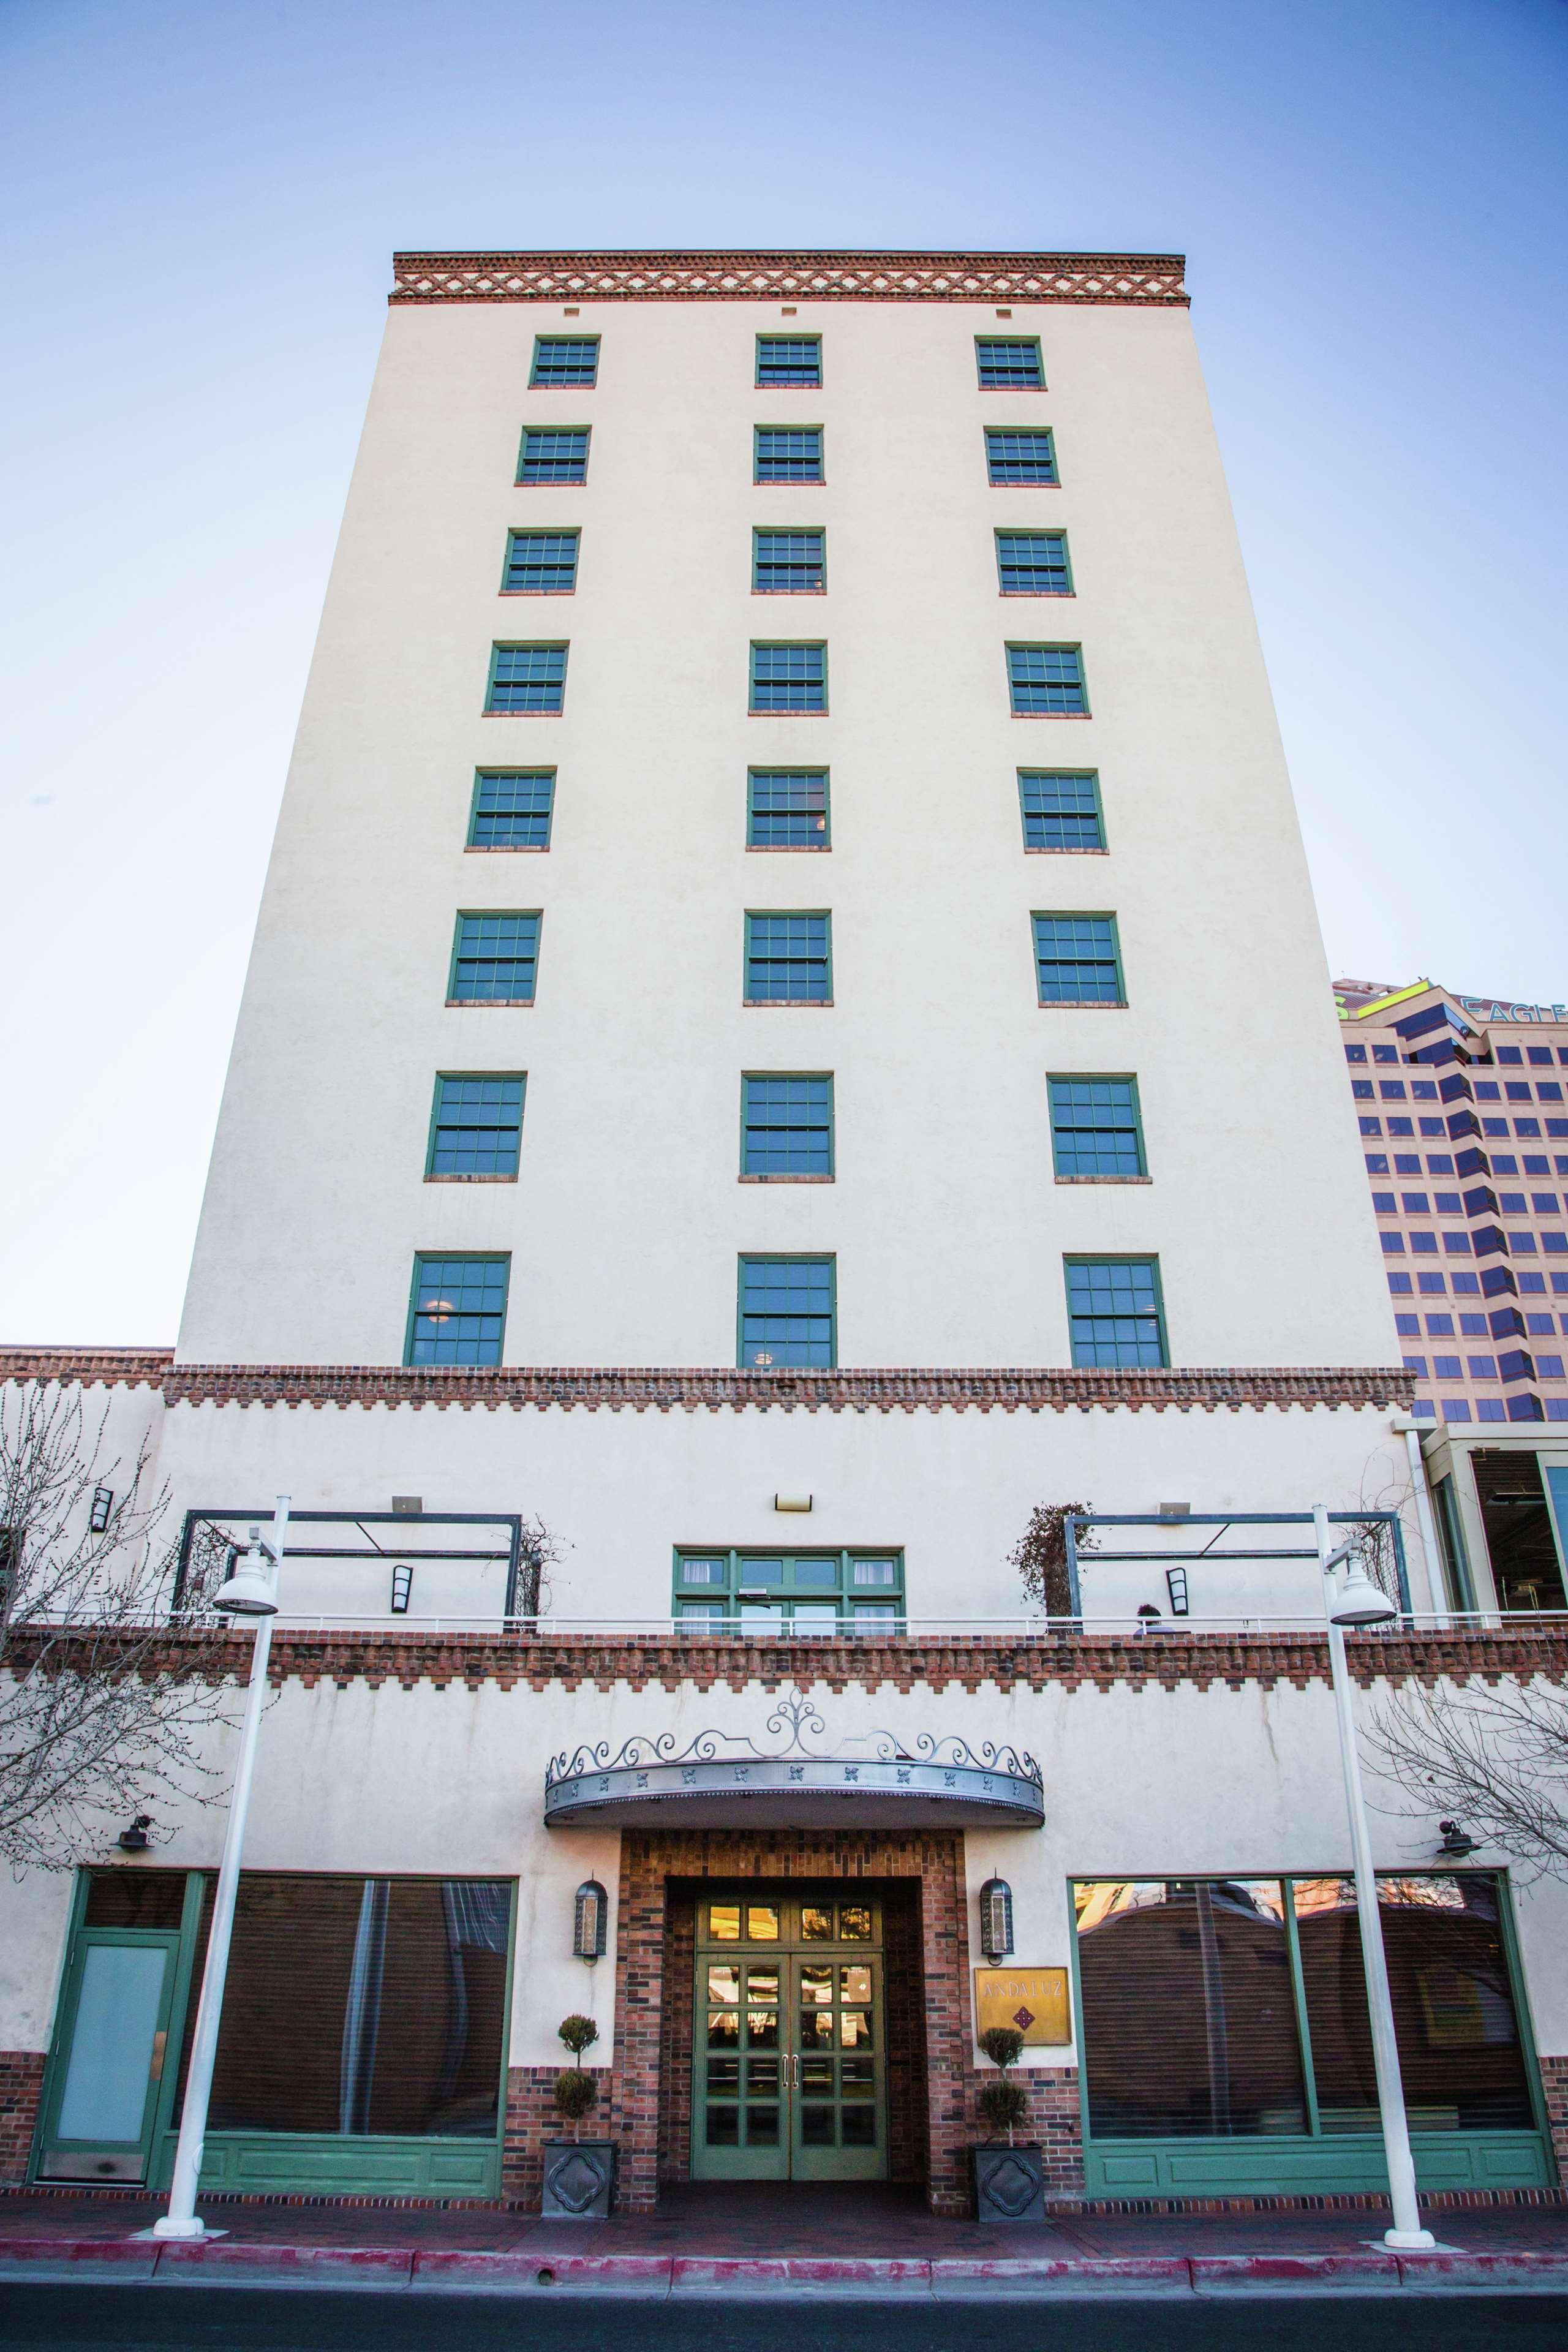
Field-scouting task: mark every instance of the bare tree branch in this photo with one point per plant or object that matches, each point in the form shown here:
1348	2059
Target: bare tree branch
1492	1757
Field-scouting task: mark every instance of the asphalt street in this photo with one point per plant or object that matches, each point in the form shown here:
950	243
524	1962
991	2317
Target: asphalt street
87	2318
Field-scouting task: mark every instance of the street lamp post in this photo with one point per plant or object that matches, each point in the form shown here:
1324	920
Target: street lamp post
1361	1604
251	1591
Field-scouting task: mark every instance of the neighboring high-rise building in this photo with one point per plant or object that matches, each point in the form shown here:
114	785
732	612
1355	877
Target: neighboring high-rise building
1464	1126
727	1115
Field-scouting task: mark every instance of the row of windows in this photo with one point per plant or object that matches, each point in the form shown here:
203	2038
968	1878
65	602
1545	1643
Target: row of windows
1477	1326
1497	1280
787	1125
786	563
1441	1163
1016	457
786	808
1002	362
1465	1123
1540	1055
1491	1242
1520	1367
528	681
809	1592
787	1311
788	958
1516	1408
1470	1205
1514	1090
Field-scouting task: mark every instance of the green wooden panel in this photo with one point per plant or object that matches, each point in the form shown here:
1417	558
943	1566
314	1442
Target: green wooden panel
1276	2167
274	2161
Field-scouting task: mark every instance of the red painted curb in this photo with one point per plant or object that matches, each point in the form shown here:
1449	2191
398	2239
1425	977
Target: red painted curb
118	2256
960	2274
1546	2272
1213	2273
181	2257
785	2273
543	2269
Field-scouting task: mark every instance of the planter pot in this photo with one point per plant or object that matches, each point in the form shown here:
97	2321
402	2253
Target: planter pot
1009	2182
579	2179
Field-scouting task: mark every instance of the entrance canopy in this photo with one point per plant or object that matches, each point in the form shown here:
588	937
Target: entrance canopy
721	1779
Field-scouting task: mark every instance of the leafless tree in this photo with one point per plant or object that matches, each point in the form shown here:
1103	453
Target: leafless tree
99	1709
1040	1555
543	1549
1493	1758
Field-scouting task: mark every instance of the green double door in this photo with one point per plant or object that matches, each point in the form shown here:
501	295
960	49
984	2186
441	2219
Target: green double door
789	2072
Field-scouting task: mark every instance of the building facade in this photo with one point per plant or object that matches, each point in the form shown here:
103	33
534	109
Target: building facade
727	1117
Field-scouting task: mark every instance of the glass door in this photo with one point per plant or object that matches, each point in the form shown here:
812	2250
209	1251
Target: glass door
107	2060
789	2078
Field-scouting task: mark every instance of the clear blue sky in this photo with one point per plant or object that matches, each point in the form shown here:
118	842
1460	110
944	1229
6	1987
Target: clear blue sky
199	202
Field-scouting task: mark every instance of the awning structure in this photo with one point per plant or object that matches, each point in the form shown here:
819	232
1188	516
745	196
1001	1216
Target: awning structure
721	1778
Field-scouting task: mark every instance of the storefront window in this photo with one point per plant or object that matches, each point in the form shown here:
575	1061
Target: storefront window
1519	1542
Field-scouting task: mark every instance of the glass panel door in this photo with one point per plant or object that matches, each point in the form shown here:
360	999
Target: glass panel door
840	2103
107	2060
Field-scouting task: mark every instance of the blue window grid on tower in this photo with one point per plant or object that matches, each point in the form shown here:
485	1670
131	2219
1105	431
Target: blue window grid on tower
526	680
1077	959
786	808
789	562
1061	809
1045	681
788	453
789	677
787	1312
495	958
553	454
563	361
786	1124
511	808
1095	1127
1033	563
457	1313
789	359
476	1127
1114	1312
1020	459
1009	363
788	959
540	562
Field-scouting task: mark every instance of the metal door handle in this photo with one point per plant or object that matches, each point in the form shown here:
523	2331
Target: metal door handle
155	2071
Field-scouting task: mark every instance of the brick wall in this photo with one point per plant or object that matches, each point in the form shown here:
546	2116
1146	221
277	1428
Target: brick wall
1555	2088
21	2089
531	2119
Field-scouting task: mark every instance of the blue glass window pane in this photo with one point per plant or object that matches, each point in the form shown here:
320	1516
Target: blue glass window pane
788	563
1020	457
554	455
1044	679
1060	811
1094	1127
528	679
787	1126
1009	363
786	808
789	453
789	677
787	958
540	562
1033	563
561	361
1114	1309
789	359
787	1311
477	1127
512	812
496	959
459	1310
1076	960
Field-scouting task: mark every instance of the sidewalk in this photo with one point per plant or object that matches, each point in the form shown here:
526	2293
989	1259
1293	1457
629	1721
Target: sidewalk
869	2242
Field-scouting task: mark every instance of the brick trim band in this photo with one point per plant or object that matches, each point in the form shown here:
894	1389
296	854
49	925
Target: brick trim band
665	1389
1152	280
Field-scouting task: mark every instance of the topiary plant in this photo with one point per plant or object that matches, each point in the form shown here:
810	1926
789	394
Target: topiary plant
576	2092
1003	2103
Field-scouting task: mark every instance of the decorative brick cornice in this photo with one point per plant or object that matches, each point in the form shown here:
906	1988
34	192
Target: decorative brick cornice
1150	280
678	1388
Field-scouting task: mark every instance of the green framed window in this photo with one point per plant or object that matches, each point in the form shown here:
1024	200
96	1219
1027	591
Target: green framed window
1033	563
1046	682
565	362
456	1311
787	453
790	679
476	1124
1009	363
789	562
1077	959
527	681
1061	808
786	1124
1096	1129
495	958
1021	461
788	359
788	1312
1115	1315
553	454
511	808
787	808
539	563
789	959
789	1592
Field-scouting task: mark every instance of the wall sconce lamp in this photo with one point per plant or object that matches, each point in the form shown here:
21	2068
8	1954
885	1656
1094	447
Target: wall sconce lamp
1176	1586
102	1504
996	1919
1457	1842
135	1839
402	1586
589	1924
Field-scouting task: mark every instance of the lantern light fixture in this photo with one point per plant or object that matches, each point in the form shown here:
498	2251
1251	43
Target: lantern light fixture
590	1922
102	1504
402	1586
996	1919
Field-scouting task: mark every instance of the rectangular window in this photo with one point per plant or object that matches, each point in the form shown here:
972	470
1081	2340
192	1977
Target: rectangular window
1020	459
495	959
786	808
553	454
786	1124
789	959
458	1312
794	1592
539	563
789	677
1046	682
787	1312
1061	809
527	681
788	453
1009	363
561	363
511	808
476	1126
1114	1310
1095	1127
789	562
789	359
1033	563
1077	959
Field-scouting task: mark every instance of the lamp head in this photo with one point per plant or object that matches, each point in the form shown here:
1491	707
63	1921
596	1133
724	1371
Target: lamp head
1359	1602
248	1591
